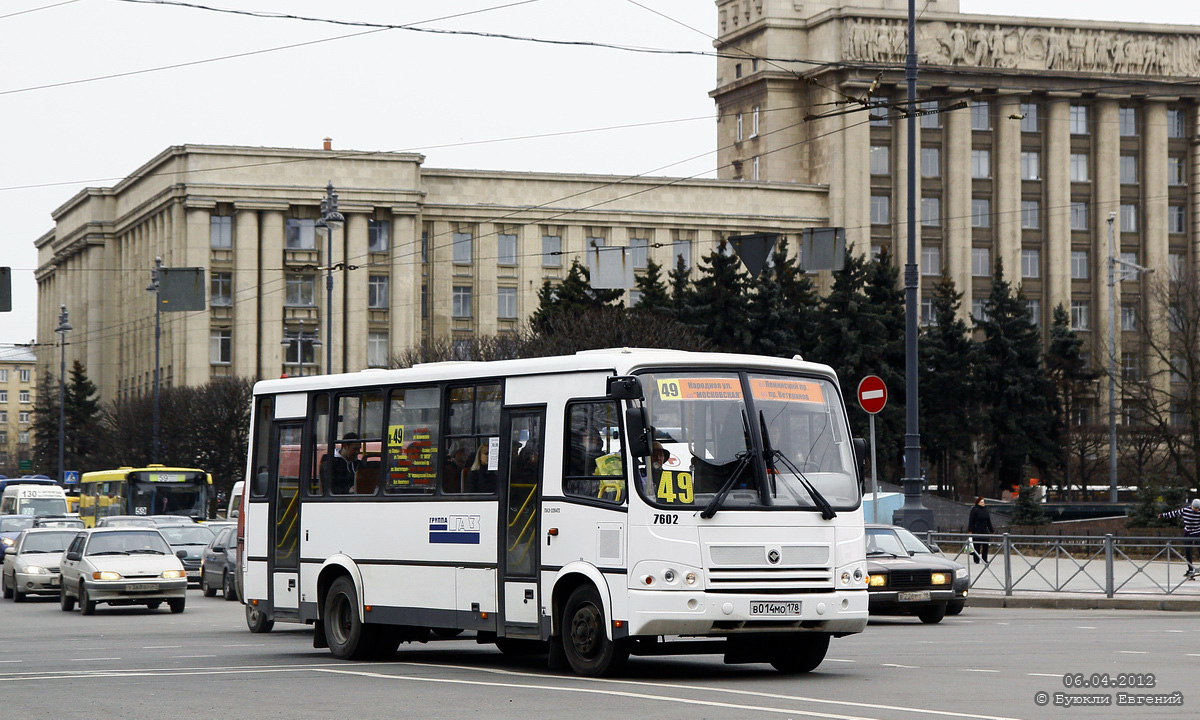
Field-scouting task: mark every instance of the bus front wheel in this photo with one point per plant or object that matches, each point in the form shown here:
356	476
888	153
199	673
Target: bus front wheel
585	640
802	654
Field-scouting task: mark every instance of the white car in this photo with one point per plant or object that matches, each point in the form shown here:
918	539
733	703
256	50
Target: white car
121	566
31	566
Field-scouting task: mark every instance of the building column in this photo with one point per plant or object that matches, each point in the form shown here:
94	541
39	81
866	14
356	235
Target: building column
1106	196
352	314
1154	234
854	210
1057	220
440	281
272	293
193	242
245	323
1006	174
485	280
956	238
404	300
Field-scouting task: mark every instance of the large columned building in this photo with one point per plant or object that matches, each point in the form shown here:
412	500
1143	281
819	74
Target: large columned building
424	253
1034	138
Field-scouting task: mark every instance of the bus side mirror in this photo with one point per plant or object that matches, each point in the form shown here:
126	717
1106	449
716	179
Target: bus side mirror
625	387
860	457
637	440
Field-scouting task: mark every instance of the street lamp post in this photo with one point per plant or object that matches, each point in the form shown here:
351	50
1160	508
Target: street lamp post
330	219
153	287
63	328
1126	271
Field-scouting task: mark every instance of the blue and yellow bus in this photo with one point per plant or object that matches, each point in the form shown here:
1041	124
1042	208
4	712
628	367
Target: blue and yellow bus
151	490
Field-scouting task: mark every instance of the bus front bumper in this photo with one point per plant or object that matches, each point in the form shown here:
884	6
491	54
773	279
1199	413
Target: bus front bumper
677	612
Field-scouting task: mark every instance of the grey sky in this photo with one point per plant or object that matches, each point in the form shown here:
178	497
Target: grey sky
387	90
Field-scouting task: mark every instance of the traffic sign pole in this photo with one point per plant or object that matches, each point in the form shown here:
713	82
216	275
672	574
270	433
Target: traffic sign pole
874	478
872	397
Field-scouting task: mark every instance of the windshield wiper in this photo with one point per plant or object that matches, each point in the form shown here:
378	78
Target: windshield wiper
108	552
744	460
771	454
147	551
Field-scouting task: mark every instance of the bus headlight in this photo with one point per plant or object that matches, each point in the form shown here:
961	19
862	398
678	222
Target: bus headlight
690	578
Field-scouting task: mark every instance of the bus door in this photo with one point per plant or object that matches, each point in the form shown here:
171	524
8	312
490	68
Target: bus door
285	515
520	510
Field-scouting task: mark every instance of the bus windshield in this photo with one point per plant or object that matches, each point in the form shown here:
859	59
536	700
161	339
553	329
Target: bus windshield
166	493
707	427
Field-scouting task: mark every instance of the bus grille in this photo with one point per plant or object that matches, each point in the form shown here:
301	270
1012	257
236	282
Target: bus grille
770	581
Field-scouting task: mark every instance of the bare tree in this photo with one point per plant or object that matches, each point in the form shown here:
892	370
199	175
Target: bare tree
485	347
1164	398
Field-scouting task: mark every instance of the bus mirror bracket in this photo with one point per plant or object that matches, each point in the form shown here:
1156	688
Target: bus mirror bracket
625	387
637	422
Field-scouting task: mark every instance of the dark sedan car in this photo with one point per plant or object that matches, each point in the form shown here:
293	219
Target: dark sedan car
962	578
192	539
219	564
904	581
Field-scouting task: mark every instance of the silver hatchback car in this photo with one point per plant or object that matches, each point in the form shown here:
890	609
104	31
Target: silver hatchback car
31	566
121	566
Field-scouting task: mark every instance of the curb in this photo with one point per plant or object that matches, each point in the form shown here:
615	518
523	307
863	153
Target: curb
1083	602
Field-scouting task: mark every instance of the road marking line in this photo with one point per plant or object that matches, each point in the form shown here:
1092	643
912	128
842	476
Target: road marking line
1193	654
192	656
1134	652
91	659
1085	627
826	660
11	661
977	670
246	645
161	647
1053	675
906	667
1175	631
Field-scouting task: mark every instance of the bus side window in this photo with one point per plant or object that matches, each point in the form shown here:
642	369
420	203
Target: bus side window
595	468
262	446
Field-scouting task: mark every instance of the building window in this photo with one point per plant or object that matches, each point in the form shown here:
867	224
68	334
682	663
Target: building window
23	437
1176	219
3	416
220	232
931	116
1080	311
463	253
1129	218
981	212
378	235
1178	365
1034	306
506	303
300	290
220	289
3	396
300	350
1131	366
23	396
23	417
1077	120
639	249
981	115
928	318
881	160
1079	167
1029	118
981	163
424	301
1176	123
740	126
377	348
880	210
3	375
931	162
220	347
1031	214
1031	263
1031	165
1129	170
931	260
377	292
981	262
1128	317
1079	264
1079	216
682	251
979	309
1176	170
754	122
551	251
1176	265
931	211
754	169
506	249
23	376
461	305
301	234
424	246
1128	121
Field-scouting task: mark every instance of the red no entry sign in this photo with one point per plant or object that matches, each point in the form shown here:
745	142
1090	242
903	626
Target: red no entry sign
872	394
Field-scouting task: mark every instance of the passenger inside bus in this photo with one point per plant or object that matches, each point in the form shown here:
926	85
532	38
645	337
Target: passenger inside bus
479	478
458	464
338	469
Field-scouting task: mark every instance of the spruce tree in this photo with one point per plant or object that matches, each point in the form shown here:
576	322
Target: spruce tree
718	306
83	418
781	307
1019	407
680	281
574	294
654	296
948	398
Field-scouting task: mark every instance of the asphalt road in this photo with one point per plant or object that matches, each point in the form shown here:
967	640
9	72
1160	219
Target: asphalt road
986	663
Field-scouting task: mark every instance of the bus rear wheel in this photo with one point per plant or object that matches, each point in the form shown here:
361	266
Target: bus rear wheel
257	620
585	640
349	637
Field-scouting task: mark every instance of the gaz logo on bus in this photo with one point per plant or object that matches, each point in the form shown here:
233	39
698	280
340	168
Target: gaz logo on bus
455	529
